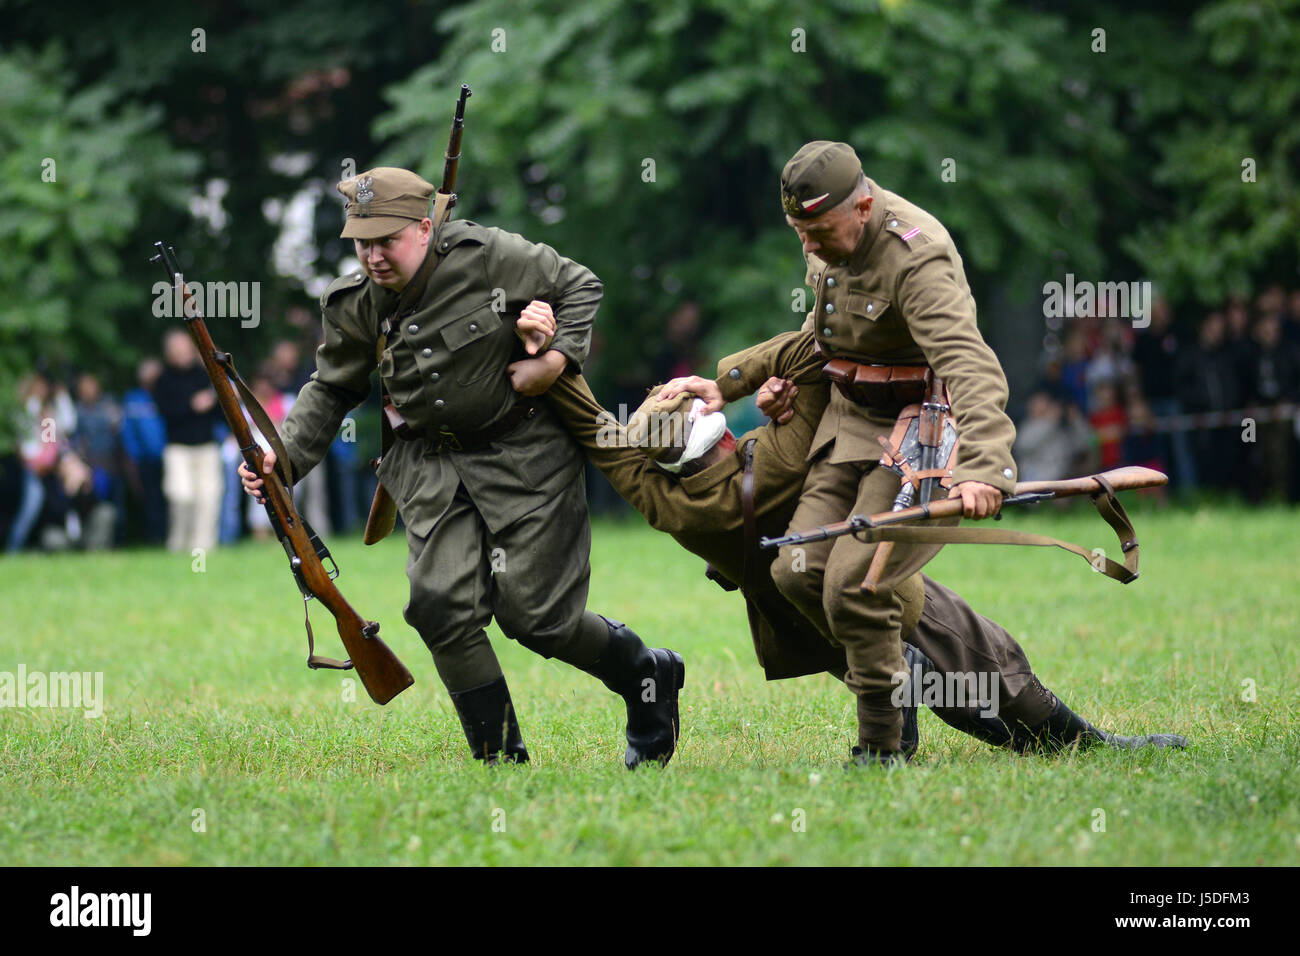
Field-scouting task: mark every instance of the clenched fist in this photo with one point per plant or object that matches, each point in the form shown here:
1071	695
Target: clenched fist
536	327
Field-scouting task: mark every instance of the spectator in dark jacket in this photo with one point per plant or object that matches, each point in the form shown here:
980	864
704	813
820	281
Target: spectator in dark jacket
1208	382
1273	378
192	479
144	435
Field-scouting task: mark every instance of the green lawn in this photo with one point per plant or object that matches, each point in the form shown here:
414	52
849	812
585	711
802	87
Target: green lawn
209	707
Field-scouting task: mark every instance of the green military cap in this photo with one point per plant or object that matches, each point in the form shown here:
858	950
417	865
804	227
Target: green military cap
661	427
819	177
383	200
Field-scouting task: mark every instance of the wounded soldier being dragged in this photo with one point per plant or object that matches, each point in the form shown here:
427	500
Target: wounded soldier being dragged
717	494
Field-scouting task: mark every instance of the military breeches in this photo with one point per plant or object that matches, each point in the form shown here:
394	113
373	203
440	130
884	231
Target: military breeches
981	667
825	577
532	577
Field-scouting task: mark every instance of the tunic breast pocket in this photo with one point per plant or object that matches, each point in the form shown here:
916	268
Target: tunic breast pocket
476	345
401	379
866	305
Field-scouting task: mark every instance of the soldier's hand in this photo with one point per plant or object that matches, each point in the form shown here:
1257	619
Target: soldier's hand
704	388
776	399
251	482
536	326
978	500
534	376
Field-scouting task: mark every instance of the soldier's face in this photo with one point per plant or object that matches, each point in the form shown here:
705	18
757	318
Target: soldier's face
834	234
394	260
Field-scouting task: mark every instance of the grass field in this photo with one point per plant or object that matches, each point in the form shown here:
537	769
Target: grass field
210	708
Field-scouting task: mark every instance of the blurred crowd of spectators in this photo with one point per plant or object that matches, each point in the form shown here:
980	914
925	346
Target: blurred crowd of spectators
1211	401
156	465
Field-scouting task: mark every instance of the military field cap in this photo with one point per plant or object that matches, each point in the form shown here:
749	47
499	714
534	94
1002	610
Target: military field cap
662	428
383	200
818	178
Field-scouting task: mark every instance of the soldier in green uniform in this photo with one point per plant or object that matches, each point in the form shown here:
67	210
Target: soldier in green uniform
696	491
891	290
489	486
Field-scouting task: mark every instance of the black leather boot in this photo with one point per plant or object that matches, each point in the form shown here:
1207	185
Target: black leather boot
648	680
918	665
488	717
1064	728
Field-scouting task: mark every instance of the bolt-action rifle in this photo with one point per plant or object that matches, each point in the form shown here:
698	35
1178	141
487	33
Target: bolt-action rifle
383	675
894	525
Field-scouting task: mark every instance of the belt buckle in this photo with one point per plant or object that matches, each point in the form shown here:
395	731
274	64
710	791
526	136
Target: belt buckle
447	439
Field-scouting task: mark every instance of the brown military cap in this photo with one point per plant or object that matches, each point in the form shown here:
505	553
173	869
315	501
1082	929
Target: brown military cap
818	178
661	428
383	200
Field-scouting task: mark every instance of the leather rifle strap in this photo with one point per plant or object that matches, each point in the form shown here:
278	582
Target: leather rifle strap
1107	505
752	552
314	660
260	419
382	518
268	430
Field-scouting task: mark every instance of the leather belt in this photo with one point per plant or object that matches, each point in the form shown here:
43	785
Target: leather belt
446	439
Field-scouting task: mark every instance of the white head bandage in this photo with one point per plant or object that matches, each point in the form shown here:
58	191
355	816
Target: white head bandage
705	430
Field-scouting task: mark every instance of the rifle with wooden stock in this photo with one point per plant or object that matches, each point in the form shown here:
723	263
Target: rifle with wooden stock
893	525
383	509
383	675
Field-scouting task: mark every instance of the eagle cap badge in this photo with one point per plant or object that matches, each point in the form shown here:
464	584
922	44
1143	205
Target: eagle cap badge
365	194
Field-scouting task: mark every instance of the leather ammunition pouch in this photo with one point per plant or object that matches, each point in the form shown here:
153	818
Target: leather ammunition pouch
887	389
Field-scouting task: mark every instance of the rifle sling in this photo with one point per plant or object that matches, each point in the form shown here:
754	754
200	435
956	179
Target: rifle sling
260	419
283	468
314	660
752	552
383	510
1107	505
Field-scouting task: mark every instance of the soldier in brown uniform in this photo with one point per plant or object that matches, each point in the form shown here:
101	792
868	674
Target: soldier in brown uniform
890	291
489	486
697	492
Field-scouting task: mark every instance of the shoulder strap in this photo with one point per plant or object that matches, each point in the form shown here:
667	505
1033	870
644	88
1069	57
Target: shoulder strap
752	552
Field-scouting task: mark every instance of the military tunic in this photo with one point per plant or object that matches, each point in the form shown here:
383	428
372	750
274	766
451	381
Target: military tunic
900	298
703	513
502	530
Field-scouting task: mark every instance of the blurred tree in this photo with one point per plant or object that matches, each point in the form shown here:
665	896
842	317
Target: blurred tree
646	139
1228	154
76	168
263	101
642	138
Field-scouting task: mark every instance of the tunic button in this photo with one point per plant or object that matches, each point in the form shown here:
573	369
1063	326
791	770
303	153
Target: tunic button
1007	473
830	283
445	245
870	306
438	403
434	376
473	326
412	328
830	307
427	353
828	331
734	373
894	224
